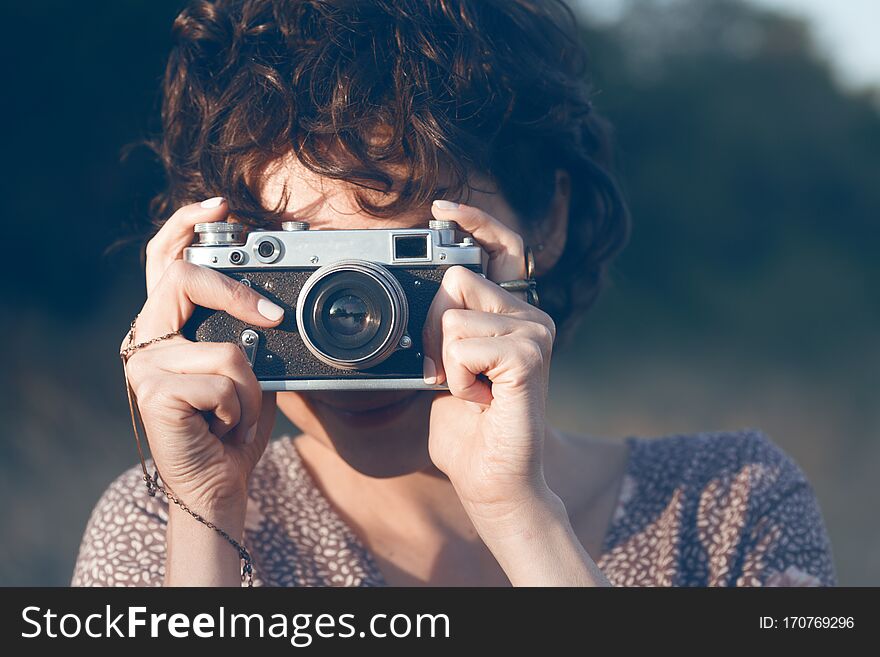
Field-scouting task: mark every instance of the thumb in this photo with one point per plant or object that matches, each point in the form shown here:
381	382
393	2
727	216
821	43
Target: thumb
267	417
265	423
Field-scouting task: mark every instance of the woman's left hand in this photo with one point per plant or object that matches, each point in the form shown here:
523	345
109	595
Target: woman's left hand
493	350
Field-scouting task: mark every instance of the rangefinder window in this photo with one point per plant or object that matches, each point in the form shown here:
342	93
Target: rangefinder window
410	247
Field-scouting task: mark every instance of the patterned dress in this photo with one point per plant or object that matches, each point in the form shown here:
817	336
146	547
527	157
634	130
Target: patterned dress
708	509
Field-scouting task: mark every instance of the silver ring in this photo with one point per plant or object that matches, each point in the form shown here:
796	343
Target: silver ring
528	284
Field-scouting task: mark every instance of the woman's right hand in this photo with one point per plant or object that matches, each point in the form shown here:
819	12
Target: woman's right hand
206	419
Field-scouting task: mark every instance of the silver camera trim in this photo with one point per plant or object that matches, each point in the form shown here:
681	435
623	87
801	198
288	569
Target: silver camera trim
307	248
316	249
289	385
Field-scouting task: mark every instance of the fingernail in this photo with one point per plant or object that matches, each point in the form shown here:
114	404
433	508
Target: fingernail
269	310
430	371
250	435
212	202
445	205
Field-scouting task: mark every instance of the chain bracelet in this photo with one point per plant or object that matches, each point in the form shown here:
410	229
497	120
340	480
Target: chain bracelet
152	482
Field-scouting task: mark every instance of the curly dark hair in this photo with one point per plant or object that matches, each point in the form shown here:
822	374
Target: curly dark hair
497	87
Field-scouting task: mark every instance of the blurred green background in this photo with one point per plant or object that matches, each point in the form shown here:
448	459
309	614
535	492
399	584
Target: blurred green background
747	296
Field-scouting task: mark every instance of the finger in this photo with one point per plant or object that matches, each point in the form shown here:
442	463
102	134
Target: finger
462	323
503	244
463	288
177	233
185	285
208	393
180	356
511	366
265	422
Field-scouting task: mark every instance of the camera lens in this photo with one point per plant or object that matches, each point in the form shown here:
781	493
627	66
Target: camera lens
351	314
348	315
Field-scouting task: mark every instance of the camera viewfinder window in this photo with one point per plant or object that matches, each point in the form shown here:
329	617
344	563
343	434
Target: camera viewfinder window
410	247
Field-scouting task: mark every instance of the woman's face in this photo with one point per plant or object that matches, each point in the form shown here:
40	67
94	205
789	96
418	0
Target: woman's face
381	433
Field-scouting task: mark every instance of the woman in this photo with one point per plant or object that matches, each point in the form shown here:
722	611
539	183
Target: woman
359	115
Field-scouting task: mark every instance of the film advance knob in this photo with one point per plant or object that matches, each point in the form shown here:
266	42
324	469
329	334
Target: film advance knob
219	232
441	224
293	226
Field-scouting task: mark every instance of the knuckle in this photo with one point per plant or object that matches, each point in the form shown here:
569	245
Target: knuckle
452	350
177	272
229	352
455	276
151	393
547	335
481	217
551	326
531	355
142	387
541	317
451	318
225	388
138	364
517	242
164	395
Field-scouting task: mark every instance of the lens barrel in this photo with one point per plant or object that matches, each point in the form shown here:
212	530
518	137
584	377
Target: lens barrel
351	314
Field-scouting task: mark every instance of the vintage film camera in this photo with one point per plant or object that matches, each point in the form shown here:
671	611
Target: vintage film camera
355	301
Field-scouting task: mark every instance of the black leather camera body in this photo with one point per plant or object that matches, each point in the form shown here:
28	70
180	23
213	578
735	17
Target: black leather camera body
355	301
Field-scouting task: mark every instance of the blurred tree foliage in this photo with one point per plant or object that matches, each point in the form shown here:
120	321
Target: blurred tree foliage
754	182
753	179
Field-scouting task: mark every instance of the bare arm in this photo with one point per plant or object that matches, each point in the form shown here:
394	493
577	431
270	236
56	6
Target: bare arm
205	416
487	433
199	556
537	546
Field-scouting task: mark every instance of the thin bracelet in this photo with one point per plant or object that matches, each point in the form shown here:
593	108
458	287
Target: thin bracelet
152	482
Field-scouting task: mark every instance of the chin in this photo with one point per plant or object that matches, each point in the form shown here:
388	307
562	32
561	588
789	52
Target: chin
380	434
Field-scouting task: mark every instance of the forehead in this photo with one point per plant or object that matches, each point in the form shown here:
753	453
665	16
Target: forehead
325	203
329	204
